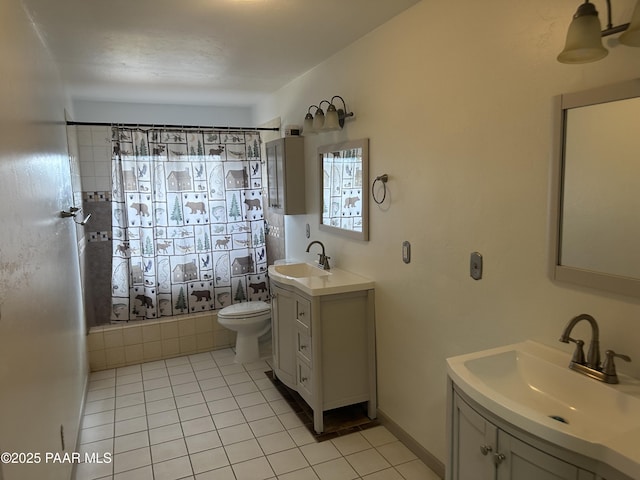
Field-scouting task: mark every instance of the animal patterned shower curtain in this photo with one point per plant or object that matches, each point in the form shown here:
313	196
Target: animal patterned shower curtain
188	224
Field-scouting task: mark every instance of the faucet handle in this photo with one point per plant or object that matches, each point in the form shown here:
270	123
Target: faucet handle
609	367
578	354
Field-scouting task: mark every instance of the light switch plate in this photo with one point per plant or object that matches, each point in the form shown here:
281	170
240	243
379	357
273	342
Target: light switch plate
406	251
475	266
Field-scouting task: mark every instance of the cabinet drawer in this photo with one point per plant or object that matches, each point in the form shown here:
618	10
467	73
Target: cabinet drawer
303	345
304	381
303	313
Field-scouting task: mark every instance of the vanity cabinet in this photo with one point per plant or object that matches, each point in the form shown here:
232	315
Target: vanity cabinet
324	347
482	451
484	448
285	175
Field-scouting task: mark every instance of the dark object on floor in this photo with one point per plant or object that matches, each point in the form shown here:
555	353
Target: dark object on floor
337	422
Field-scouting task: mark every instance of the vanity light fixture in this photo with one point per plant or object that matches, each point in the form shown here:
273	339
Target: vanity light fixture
584	37
318	120
333	120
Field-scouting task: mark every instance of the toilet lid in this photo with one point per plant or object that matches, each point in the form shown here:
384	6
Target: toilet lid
245	309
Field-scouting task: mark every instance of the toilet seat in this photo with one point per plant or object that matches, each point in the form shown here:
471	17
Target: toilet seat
245	310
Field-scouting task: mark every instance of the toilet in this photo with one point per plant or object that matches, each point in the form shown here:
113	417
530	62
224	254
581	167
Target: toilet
250	320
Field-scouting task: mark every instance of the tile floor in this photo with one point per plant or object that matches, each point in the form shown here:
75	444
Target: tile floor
204	417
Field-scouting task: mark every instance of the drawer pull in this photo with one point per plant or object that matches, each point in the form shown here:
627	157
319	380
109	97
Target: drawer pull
303	347
498	458
485	449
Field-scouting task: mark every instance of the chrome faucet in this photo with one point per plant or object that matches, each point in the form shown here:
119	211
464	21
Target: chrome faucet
591	366
593	355
323	261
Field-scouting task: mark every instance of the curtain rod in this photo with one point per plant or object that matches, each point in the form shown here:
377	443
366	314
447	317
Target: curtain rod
151	125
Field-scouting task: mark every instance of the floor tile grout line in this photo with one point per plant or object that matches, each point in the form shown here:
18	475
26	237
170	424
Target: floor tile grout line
255	438
254	388
181	428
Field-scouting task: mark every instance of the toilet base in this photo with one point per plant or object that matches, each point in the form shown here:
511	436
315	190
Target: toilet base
250	321
247	349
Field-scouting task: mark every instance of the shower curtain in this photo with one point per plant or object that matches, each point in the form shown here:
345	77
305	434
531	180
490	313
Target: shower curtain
188	225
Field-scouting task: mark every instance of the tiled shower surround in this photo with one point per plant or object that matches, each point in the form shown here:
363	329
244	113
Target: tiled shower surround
118	345
94	154
126	344
98	257
112	346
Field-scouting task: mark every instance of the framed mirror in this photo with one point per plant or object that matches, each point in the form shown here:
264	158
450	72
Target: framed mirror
595	207
344	188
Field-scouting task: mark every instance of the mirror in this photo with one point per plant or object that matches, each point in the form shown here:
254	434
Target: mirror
344	192
595	208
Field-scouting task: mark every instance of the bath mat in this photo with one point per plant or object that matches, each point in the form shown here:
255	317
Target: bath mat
337	422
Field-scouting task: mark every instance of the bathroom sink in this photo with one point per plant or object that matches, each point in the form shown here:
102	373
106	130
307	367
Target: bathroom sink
530	386
300	270
314	281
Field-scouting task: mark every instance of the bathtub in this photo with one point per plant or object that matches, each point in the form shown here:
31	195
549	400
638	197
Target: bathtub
119	345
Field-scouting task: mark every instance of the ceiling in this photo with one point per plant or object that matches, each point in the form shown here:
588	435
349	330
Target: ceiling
210	52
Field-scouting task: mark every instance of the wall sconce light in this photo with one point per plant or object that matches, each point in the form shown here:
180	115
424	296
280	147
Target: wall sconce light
584	38
333	120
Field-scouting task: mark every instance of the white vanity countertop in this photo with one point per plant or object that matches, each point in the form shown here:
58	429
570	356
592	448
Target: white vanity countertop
526	382
328	282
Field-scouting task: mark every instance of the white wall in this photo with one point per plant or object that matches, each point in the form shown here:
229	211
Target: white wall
94	111
455	98
43	367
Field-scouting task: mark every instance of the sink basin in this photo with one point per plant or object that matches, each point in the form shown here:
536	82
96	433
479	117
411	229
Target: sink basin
530	386
587	408
315	281
300	270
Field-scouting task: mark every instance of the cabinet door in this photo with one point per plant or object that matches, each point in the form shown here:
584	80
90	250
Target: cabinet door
275	175
474	444
285	176
524	462
283	328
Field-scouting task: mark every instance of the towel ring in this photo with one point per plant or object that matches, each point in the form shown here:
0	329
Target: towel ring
384	179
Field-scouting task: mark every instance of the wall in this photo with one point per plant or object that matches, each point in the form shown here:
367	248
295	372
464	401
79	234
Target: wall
274	239
43	367
93	111
455	98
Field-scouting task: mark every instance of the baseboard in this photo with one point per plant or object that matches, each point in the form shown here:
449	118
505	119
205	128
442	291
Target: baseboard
418	450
